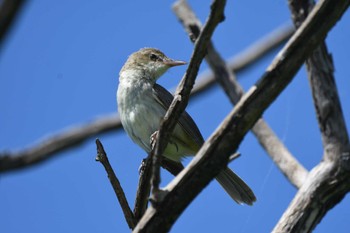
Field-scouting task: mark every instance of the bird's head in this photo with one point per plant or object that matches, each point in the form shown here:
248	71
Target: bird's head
151	62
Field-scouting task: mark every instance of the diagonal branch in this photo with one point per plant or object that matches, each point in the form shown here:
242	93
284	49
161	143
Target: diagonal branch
9	10
183	91
143	189
118	190
284	160
50	147
243	60
213	155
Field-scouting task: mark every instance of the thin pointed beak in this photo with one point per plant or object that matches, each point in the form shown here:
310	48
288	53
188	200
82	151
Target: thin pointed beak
172	63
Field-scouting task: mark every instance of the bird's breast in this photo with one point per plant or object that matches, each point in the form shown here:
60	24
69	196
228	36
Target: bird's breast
139	112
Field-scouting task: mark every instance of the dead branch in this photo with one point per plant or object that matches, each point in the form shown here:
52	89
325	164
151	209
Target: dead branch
143	189
285	161
8	12
144	186
329	181
50	146
103	159
183	91
213	155
320	70
243	60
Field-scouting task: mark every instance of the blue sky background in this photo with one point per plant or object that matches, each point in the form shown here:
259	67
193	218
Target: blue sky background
59	67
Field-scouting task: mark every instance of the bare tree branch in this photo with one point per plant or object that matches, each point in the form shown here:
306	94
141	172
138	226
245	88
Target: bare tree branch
103	159
320	70
49	147
284	160
8	12
257	49
144	185
243	60
144	188
214	153
183	91
330	180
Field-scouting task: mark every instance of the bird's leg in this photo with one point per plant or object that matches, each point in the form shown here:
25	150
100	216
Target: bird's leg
153	139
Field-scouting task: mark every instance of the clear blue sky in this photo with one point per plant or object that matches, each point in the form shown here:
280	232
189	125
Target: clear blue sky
59	67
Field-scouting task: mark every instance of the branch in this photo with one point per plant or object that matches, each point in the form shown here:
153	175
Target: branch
329	181
49	147
247	57
320	70
8	12
213	155
144	185
183	91
103	159
144	188
284	160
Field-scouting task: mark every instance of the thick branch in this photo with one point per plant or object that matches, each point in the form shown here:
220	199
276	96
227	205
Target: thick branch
284	160
325	187
329	181
213	155
324	91
72	137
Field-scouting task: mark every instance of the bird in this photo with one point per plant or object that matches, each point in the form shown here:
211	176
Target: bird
142	104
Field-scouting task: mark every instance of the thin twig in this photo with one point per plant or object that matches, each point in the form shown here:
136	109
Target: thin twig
73	136
103	159
285	161
144	188
213	155
183	91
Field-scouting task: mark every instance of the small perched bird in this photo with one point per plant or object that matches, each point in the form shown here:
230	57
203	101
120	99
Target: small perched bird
143	103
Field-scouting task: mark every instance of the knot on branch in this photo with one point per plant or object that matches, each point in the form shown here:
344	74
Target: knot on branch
157	197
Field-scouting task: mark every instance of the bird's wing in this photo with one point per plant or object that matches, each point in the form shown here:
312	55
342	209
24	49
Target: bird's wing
188	125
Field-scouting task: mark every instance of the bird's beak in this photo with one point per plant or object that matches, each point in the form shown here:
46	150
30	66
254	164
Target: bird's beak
172	63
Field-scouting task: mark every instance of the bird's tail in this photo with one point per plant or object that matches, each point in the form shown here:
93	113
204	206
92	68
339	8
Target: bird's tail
236	187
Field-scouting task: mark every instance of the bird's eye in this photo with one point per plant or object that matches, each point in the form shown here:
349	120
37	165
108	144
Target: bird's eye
153	57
